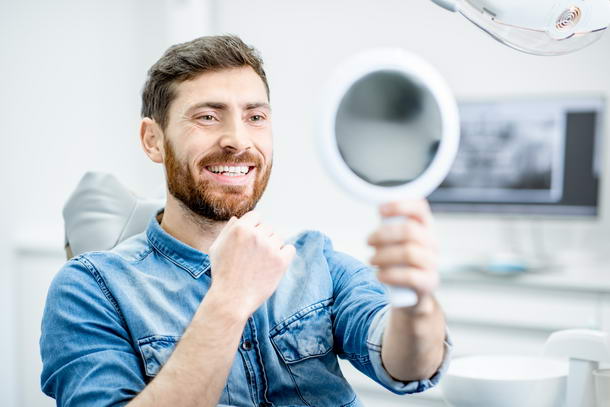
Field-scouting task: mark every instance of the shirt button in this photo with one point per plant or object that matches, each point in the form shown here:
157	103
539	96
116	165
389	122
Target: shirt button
246	345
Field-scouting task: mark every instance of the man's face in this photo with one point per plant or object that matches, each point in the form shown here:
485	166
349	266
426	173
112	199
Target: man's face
218	143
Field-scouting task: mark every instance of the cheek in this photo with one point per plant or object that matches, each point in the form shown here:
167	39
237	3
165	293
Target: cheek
185	161
265	146
194	148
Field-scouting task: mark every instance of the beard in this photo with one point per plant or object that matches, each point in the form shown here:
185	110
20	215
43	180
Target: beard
208	199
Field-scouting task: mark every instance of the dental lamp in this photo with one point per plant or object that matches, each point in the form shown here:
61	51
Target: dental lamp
538	27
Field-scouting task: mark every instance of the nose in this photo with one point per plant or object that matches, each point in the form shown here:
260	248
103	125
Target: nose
235	137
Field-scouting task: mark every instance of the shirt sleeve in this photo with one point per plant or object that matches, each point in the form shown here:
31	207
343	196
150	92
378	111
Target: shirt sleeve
375	335
360	312
87	356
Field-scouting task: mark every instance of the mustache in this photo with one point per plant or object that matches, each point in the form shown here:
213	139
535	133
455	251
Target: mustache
227	157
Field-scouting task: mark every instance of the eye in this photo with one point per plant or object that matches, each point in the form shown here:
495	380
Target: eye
206	117
257	118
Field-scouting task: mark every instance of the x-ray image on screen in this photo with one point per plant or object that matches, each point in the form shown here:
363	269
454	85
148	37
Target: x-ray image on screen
508	153
526	156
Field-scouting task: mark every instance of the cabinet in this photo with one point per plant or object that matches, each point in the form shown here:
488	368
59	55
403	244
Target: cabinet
35	267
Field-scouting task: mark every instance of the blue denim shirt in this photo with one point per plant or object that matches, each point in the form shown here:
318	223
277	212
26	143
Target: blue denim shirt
112	319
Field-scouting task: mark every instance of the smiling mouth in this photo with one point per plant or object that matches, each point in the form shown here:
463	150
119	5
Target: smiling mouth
230	170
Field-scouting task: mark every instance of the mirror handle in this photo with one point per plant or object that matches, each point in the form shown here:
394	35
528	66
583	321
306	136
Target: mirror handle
400	297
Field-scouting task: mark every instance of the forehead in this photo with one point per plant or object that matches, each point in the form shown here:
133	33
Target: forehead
235	85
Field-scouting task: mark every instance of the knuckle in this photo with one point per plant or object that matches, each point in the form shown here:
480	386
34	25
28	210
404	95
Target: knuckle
434	265
435	281
259	232
279	262
240	229
410	278
292	252
374	260
264	241
373	238
407	230
407	277
407	253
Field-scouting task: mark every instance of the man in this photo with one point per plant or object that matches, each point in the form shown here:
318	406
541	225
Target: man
209	306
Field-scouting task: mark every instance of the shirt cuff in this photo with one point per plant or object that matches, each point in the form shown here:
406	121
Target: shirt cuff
374	340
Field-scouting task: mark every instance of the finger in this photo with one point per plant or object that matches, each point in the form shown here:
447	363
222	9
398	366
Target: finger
264	230
288	252
416	209
413	232
410	255
251	218
276	241
424	282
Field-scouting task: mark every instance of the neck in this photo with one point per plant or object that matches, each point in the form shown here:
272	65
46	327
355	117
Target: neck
188	227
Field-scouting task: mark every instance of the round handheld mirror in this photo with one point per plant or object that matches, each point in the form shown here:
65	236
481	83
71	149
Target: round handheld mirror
390	131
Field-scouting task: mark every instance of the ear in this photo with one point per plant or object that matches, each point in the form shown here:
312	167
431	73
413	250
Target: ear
151	138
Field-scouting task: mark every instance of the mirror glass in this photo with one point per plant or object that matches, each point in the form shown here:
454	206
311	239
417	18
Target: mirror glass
388	128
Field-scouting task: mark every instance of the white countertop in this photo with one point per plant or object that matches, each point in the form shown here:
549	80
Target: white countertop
591	278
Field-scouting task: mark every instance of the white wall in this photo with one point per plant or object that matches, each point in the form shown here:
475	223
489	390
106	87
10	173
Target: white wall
71	73
70	77
302	41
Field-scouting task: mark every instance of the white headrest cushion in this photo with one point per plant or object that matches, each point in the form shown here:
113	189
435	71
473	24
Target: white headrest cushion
101	213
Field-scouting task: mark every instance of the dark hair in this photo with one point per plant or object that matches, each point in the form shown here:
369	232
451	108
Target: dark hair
185	61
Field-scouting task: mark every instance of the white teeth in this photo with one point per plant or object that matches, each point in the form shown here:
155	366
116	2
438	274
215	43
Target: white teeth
229	170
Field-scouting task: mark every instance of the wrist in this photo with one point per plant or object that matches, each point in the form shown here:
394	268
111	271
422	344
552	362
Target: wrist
418	317
426	306
226	306
419	324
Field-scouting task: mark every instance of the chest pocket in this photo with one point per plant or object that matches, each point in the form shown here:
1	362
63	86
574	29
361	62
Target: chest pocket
155	351
304	342
306	334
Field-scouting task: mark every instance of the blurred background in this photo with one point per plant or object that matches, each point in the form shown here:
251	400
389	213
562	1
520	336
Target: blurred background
71	73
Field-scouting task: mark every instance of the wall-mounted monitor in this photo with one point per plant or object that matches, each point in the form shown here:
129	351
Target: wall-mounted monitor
530	156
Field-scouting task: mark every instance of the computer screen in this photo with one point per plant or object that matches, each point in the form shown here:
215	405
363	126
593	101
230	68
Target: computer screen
539	156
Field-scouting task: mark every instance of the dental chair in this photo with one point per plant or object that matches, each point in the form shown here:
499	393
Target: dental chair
101	213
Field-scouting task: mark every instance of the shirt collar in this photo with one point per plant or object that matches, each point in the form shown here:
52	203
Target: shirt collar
191	260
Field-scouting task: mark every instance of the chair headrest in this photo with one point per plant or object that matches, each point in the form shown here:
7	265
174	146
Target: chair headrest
101	213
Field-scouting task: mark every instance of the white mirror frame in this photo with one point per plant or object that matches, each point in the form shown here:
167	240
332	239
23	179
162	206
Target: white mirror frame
417	70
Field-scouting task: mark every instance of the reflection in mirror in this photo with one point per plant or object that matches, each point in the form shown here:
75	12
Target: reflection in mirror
388	128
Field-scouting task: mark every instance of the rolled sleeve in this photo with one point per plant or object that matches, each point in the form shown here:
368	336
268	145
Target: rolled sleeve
87	356
374	340
360	313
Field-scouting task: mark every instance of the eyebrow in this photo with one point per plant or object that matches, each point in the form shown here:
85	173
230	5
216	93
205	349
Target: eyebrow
258	105
224	106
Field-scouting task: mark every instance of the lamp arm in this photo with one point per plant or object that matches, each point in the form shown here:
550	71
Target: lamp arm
450	5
